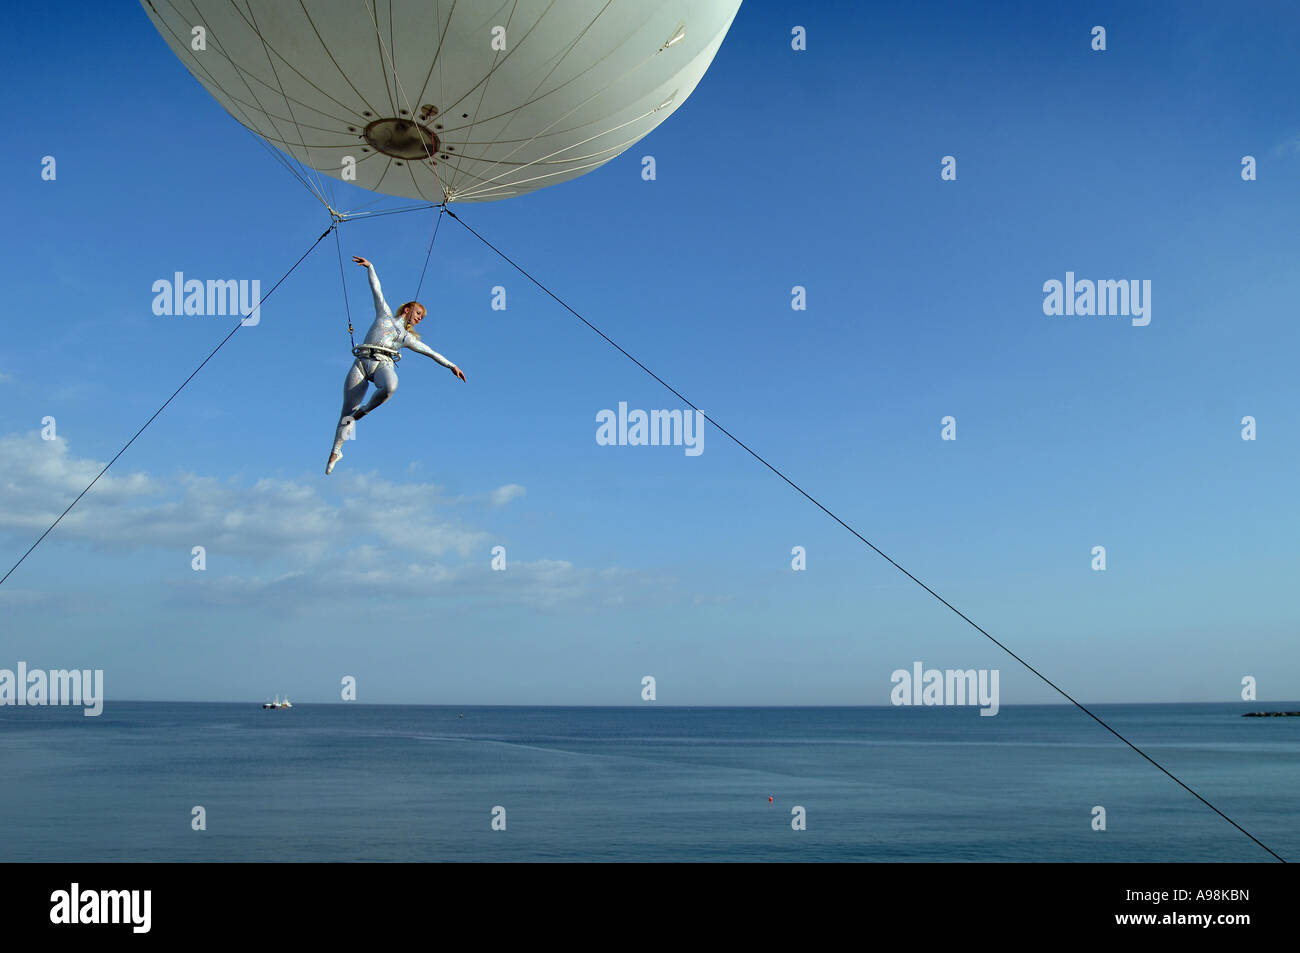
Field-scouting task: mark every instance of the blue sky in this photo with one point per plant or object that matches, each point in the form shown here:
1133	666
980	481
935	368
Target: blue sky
817	168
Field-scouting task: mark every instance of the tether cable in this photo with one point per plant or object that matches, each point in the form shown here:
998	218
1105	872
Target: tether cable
736	440
193	374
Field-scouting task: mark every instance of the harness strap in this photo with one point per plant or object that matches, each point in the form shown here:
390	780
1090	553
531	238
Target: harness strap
373	352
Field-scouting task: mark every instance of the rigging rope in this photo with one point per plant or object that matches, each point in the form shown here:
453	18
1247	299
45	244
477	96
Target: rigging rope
246	121
885	556
436	225
342	278
397	82
380	213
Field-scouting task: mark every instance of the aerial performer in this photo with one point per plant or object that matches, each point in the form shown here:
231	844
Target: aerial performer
376	359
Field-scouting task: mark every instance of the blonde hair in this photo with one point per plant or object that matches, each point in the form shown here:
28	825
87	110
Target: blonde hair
406	316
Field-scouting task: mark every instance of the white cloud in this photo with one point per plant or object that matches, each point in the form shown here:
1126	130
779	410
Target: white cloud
38	478
26	597
269	518
504	494
1287	147
366	534
545	584
718	599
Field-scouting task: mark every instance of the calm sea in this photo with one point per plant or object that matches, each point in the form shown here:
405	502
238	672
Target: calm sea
349	782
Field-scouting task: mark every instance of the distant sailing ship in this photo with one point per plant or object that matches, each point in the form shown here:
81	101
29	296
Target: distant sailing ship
277	703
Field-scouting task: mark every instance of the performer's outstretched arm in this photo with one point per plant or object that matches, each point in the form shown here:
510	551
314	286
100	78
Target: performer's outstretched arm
419	347
381	306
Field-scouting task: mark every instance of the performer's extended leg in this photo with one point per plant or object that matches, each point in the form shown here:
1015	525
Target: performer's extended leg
385	381
354	389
